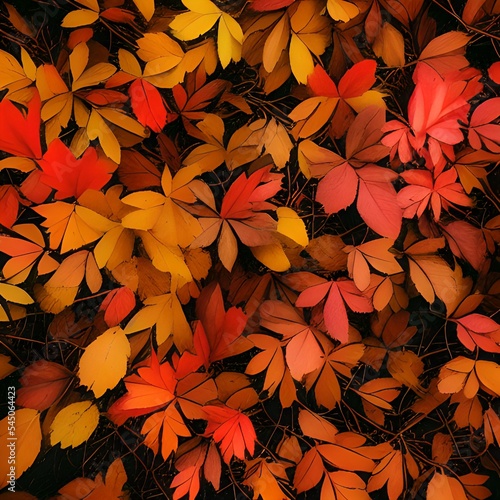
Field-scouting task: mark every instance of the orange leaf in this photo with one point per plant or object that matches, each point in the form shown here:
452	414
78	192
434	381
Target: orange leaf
232	430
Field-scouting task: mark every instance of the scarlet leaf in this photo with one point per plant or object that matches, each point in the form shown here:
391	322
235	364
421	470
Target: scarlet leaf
147	104
232	430
71	177
19	132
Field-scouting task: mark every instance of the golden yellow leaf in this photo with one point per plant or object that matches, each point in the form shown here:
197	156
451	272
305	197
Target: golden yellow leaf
27	433
14	294
341	10
301	60
292	226
273	256
104	362
166	314
5	367
12	75
77	18
74	424
146	8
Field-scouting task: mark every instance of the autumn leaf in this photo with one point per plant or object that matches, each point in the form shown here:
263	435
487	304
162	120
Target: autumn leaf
71	177
223	329
232	430
20	132
104	362
337	293
202	16
28	441
43	384
111	486
74	424
266	479
478	330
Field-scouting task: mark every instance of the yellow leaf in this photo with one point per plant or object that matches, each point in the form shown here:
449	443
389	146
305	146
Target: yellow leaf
74	424
165	312
28	437
12	75
369	98
292	226
104	362
129	63
28	64
340	10
229	40
390	46
82	17
97	128
15	294
277	143
5	367
94	75
191	25
78	60
273	256
146	8
301	61
166	258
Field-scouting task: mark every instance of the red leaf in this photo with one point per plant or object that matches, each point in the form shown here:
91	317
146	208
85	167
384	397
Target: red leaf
20	133
151	389
265	5
321	84
232	430
44	382
9	205
357	80
147	104
337	190
71	177
223	329
117	305
335	315
377	201
494	72
478	330
466	242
